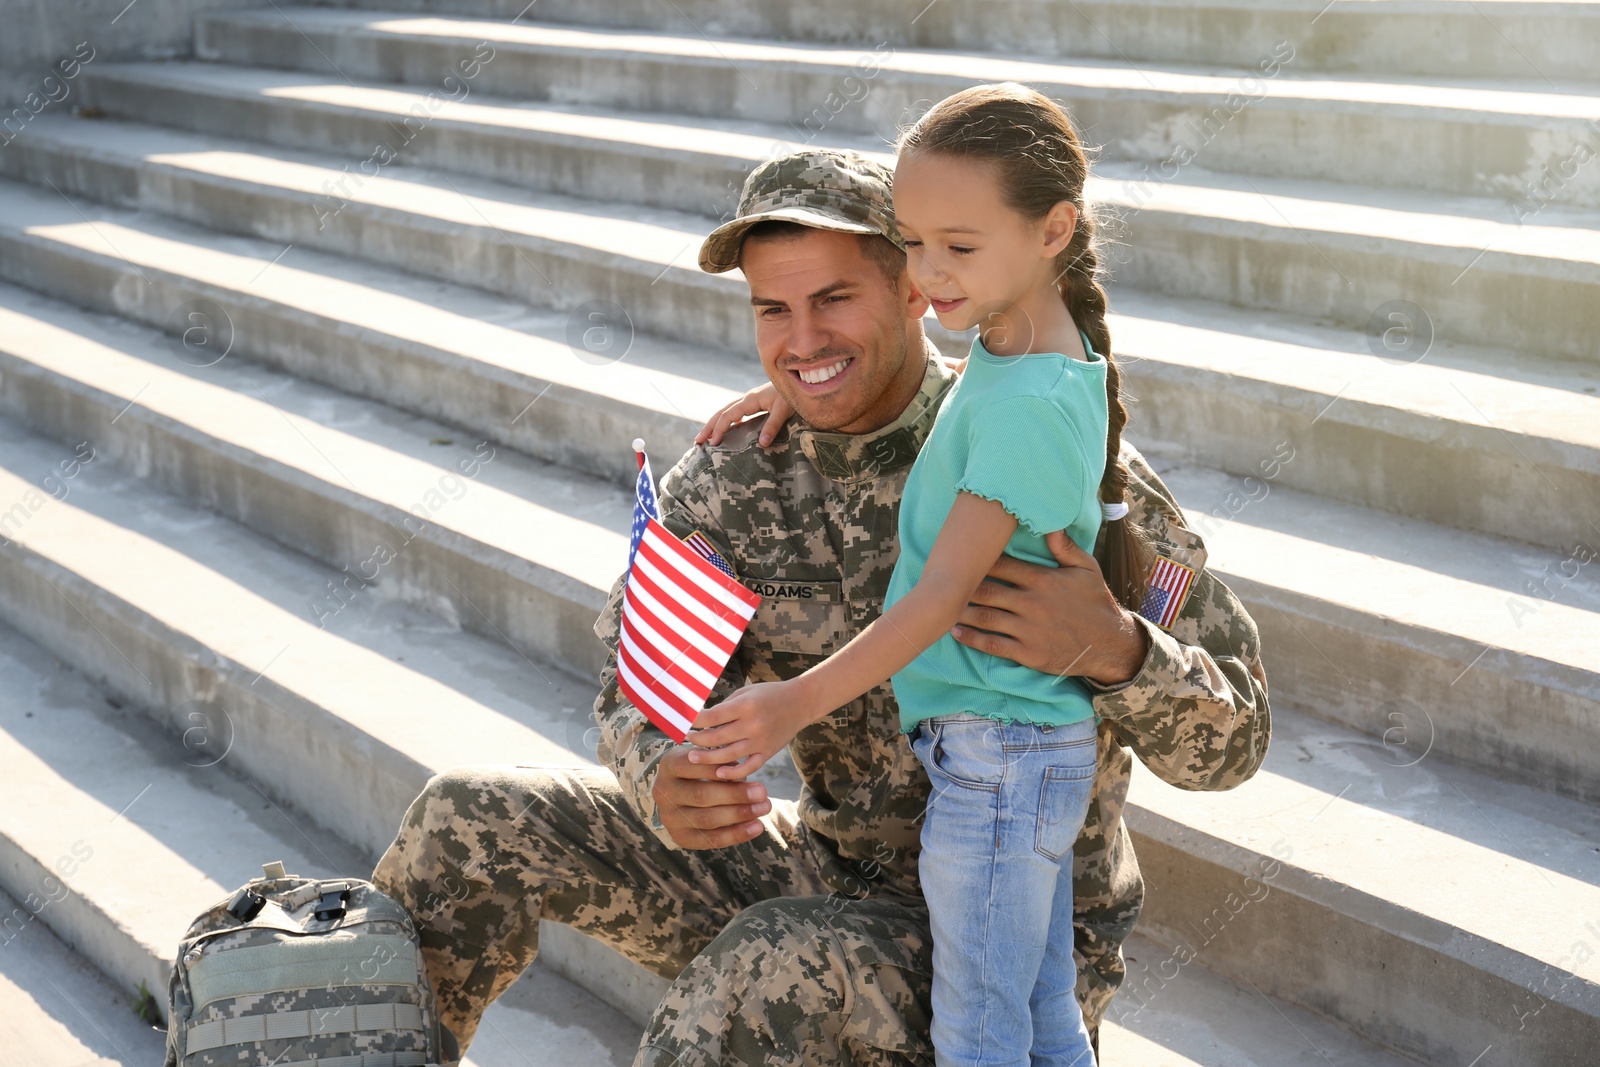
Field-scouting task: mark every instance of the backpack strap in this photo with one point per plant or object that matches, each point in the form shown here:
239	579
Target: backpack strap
366	1059
312	1022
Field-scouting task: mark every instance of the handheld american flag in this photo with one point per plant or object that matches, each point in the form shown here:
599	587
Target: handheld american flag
682	617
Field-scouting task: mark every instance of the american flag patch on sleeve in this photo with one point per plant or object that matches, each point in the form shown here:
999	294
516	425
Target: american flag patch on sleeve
698	542
1169	586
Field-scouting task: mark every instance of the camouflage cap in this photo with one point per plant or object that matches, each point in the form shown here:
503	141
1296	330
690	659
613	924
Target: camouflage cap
829	188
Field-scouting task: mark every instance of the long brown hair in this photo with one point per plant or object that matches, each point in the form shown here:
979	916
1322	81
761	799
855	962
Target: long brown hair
1040	162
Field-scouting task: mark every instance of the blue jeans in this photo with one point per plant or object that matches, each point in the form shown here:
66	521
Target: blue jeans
1007	804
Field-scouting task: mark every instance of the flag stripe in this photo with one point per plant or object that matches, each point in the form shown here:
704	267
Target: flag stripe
683	700
720	581
694	572
665	696
668	633
653	661
646	700
1177	598
661	610
685	666
717	631
1181	586
637	687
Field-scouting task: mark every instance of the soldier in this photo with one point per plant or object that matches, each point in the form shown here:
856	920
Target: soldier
795	932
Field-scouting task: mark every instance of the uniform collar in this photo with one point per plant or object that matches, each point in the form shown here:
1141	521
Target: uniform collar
848	457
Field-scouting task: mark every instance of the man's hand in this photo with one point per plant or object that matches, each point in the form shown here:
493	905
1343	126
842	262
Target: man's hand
701	811
1059	620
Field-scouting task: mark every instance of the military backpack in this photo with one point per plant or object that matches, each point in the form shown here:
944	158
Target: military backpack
302	972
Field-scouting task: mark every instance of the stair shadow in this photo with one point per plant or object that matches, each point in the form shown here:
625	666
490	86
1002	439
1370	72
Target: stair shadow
71	994
1550	832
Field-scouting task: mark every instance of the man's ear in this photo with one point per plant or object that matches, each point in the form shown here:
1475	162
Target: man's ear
917	304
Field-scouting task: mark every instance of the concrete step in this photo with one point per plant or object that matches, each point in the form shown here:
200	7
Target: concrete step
175	610
1448	433
1438	911
56	1009
525	552
550	251
1456	268
226	641
514	548
681	163
115	794
544	250
1235	386
532	378
139	826
1486	138
1504	39
1426	639
1413	266
1206	1019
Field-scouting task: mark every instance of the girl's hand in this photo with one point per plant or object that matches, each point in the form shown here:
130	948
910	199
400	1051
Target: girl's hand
763	397
957	365
753	725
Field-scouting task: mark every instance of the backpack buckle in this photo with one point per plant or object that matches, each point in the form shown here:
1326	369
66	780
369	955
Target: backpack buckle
246	905
330	905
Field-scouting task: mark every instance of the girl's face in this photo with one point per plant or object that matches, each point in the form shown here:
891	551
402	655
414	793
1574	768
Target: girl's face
973	256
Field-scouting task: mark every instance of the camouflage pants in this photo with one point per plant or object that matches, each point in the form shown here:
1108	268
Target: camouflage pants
768	965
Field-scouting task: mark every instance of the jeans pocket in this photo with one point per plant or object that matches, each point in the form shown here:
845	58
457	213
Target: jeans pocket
965	752
1063	804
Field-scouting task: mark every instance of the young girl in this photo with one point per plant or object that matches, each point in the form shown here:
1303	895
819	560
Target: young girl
988	195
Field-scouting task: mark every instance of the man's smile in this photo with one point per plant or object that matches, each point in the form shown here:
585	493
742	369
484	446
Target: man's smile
822	378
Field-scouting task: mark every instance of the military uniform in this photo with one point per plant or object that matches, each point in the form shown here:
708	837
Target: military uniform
808	944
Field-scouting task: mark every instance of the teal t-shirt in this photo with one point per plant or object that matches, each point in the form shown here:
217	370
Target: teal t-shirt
1029	432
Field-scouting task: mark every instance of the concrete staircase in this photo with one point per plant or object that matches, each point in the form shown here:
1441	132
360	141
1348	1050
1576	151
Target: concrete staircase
357	488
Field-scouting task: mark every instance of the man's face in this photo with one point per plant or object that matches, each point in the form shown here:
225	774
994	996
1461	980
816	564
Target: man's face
831	330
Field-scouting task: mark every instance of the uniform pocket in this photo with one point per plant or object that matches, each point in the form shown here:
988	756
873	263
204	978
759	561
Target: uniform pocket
806	618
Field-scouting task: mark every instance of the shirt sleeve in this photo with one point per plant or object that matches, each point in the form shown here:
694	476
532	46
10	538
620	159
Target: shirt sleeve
1197	712
1031	457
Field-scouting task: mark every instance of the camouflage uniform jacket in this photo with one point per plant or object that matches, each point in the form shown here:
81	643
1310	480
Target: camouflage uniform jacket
810	523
